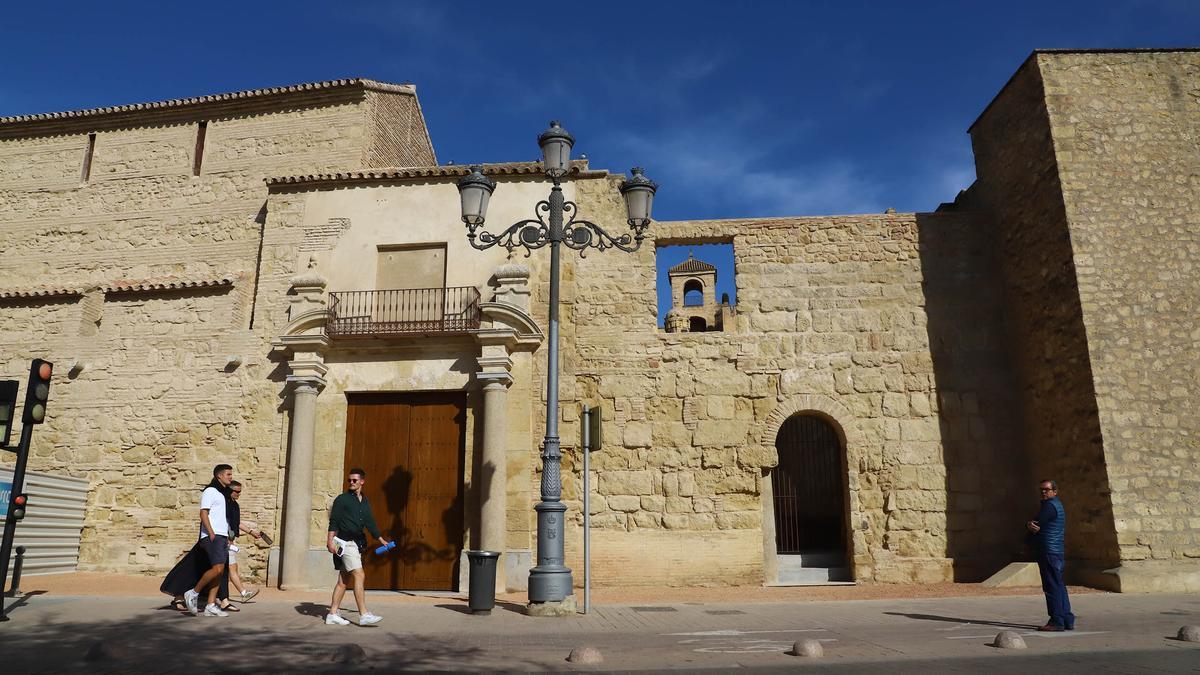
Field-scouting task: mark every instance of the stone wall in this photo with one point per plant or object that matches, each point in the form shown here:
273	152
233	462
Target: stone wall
1126	127
832	319
1019	182
153	273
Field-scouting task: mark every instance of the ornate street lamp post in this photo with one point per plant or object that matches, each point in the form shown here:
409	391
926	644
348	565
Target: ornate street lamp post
550	581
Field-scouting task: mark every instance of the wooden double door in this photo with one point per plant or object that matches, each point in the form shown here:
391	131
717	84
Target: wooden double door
411	445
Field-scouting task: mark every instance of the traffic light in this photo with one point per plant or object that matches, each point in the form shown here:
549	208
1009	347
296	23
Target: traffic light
8	408
37	391
16	508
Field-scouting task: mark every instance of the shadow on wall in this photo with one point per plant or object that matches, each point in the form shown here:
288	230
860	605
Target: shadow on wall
1015	400
988	498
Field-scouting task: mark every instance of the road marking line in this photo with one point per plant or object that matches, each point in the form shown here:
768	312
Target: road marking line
1064	634
730	632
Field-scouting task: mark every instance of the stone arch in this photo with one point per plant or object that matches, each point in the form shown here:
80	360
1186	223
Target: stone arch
817	404
843	423
690	285
310	322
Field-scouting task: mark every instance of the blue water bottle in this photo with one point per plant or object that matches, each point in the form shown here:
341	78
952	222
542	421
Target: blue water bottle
385	548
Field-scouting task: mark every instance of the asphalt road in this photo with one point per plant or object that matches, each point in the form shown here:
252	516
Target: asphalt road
1116	634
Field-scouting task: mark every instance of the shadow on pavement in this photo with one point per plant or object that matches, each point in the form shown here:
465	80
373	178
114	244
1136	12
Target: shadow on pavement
24	600
313	609
464	608
152	644
954	619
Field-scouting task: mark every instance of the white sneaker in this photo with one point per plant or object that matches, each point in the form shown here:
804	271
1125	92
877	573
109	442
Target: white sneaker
369	619
249	593
335	620
213	610
189	598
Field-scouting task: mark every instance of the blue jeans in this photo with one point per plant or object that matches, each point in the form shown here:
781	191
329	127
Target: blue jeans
1058	606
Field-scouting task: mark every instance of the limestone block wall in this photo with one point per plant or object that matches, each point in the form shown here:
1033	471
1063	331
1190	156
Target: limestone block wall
1019	181
153	275
1125	127
832	319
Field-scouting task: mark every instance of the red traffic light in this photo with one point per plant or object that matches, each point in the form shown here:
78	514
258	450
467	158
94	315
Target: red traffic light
37	392
20	500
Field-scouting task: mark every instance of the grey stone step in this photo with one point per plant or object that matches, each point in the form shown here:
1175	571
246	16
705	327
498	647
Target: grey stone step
813	576
812	568
812	559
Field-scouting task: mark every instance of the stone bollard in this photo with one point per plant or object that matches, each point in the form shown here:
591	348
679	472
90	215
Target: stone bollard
1189	634
586	655
808	647
1009	639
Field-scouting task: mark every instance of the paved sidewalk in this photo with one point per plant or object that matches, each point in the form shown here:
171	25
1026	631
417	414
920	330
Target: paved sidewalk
1117	633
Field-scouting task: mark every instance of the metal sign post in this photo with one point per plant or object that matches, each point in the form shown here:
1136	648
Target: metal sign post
587	511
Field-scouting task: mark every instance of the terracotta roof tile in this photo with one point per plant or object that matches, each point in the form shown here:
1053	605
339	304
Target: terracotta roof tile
39	292
213	98
165	284
691	265
579	169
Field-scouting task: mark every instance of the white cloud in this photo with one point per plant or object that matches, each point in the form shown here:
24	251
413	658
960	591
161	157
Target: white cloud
729	165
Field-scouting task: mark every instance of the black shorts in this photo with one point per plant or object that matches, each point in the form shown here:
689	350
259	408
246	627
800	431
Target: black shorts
216	549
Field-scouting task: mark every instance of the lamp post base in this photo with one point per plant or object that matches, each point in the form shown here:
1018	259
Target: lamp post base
567	607
551	580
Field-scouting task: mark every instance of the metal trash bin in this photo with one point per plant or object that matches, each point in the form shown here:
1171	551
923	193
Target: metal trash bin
482	596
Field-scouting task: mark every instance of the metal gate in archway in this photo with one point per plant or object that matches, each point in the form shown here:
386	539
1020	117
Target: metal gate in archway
809	487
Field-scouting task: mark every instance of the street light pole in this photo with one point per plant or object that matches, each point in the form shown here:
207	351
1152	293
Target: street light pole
550	580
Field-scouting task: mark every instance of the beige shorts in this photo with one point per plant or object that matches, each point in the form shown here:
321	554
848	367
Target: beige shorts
350	557
233	551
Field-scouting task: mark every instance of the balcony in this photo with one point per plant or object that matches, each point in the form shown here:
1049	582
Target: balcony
415	311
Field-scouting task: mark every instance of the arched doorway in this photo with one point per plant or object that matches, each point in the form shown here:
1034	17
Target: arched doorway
809	498
696	324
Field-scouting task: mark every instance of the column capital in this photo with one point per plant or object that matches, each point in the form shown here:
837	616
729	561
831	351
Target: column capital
304	384
493	379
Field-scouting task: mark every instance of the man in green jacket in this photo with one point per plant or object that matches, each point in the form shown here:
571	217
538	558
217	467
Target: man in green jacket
350	513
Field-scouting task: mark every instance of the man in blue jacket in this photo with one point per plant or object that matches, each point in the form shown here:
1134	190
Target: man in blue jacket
1048	529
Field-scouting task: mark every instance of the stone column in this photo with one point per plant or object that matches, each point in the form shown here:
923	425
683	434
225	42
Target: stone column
494	468
298	510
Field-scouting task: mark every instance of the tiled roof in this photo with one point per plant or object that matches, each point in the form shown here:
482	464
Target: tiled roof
165	284
579	169
214	98
691	265
39	292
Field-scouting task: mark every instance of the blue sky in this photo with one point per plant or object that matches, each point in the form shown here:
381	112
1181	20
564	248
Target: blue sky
736	109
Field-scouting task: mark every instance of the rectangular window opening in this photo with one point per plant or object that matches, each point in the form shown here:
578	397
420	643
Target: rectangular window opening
697	289
198	156
87	158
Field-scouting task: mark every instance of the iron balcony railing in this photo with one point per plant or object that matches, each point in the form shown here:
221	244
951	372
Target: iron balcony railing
403	312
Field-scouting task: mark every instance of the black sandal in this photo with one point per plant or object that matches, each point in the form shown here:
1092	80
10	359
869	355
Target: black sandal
228	607
179	605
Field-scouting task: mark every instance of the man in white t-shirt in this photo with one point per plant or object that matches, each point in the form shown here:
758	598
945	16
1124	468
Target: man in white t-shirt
214	539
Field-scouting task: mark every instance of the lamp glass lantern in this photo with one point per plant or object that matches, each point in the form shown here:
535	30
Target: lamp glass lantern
639	197
556	144
474	190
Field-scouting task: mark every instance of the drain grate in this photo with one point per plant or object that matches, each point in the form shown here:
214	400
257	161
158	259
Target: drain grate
723	612
654	609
